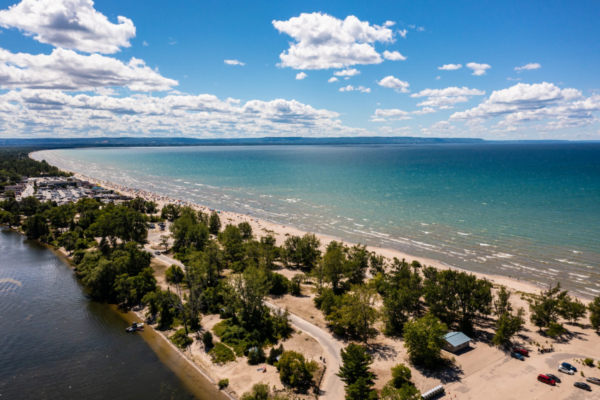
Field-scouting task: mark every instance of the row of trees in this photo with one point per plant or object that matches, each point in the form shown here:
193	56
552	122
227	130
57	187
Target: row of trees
15	164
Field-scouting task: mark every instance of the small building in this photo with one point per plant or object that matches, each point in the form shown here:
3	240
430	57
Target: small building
456	341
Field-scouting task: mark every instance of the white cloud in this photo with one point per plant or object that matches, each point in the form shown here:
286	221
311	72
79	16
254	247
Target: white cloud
332	79
391	112
394	83
528	67
450	67
426	110
523	103
300	76
69	24
420	29
351	88
478	69
347	72
403	33
145	44
103	91
323	41
393	56
449	91
233	62
68	70
438	77
40	112
411	26
442	101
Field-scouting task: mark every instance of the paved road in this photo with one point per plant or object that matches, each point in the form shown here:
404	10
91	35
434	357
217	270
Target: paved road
332	386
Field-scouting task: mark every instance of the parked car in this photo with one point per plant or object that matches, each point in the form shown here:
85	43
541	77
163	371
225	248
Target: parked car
517	356
565	370
522	352
593	380
569	366
546	379
157	253
552	376
583	386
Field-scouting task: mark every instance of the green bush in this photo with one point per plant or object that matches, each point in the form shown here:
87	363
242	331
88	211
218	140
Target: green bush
294	369
181	340
221	354
256	355
174	274
401	375
555	329
295	288
273	354
279	284
223	383
207	339
589	362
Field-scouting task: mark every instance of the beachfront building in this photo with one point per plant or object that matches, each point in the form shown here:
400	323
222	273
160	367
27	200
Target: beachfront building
456	341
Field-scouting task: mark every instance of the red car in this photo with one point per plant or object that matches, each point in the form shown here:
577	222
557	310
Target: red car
522	352
546	379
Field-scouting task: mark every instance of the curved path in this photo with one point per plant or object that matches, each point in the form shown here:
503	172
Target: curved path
332	386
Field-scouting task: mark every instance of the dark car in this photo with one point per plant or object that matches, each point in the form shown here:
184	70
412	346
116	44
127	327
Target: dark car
517	356
583	386
569	366
556	378
593	380
522	352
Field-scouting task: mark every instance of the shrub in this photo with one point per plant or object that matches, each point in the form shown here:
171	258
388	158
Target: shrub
223	383
295	288
279	284
401	375
207	339
221	354
273	354
174	274
259	391
294	369
256	355
589	362
181	340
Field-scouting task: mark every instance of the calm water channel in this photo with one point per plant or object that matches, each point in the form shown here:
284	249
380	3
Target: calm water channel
55	343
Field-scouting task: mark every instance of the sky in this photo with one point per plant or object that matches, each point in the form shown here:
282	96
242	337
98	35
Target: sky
216	69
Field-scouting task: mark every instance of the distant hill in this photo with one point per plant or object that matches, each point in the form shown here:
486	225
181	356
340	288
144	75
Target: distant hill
145	141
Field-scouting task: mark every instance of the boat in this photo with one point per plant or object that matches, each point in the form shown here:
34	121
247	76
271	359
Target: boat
135	327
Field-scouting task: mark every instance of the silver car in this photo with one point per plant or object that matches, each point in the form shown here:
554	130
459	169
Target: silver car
565	370
593	380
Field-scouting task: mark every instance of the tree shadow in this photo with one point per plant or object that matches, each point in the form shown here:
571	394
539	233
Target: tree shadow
382	351
446	371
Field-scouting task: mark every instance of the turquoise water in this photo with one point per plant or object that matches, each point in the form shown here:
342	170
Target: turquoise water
530	211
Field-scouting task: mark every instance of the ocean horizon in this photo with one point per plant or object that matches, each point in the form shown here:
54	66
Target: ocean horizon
525	210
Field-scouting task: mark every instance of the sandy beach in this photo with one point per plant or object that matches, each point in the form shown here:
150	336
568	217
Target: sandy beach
484	371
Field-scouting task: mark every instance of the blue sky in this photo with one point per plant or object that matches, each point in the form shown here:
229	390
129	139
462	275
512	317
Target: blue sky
66	69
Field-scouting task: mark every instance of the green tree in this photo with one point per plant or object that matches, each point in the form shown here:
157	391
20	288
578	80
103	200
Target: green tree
174	274
214	223
295	370
233	246
187	231
573	310
424	339
260	391
546	308
207	339
357	314
402	291
291	250
334	264
246	294
246	230
356	373
401	375
29	206
502	303
170	212
594	308
405	392
36	226
507	326
357	263
308	250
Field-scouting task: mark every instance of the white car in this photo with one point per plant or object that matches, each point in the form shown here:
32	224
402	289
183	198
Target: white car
565	370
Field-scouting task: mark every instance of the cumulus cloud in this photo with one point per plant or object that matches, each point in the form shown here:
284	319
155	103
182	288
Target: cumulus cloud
68	70
478	69
394	83
393	56
524	103
37	112
403	33
347	72
528	67
426	110
300	76
391	112
449	91
234	62
450	67
351	88
332	79
443	101
323	41
69	24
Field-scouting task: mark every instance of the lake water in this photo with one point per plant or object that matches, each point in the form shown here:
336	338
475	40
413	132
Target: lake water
530	211
55	343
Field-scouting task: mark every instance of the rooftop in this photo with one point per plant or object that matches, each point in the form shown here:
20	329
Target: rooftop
456	338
